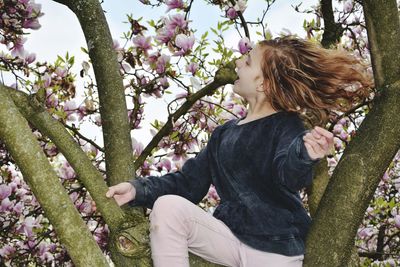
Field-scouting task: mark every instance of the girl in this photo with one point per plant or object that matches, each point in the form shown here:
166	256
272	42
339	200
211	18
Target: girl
257	163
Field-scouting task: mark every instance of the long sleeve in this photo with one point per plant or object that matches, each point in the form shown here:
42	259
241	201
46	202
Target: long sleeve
191	182
292	166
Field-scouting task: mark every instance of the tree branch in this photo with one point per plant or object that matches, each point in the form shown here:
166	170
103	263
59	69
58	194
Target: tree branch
44	183
332	30
87	173
244	23
113	110
384	39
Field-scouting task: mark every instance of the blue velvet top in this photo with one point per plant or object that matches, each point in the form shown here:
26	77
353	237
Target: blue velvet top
257	169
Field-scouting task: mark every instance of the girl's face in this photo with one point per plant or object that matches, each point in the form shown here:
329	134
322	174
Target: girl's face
248	69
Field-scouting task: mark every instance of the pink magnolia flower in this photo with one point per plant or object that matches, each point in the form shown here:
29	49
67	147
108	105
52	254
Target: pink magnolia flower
162	63
228	104
164	82
397	221
142	42
18	208
385	177
331	162
157	91
337	143
5	191
34	9
18	49
47	80
29	57
137	147
143	80
152	58
338	128
172	4
44	253
61	72
239	110
31	24
6	251
344	135
116	45
13	186
231	13
164	35
244	45
27	226
74	196
192	67
6	204
21	192
70	106
51	99
366	232
176	21
240	5
185	43
211	125
348	6
85	207
212	193
181	95
179	159
66	171
164	164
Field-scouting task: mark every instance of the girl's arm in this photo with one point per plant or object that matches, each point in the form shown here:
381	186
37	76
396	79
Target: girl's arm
191	182
292	164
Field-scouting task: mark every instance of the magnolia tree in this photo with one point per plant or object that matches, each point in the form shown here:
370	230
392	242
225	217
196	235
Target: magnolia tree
46	192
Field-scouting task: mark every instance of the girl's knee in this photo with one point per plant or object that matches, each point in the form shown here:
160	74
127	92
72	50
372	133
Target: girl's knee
169	205
168	211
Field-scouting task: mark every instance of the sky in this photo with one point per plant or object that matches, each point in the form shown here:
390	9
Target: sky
61	33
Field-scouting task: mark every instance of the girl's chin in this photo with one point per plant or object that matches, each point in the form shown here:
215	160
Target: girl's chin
236	91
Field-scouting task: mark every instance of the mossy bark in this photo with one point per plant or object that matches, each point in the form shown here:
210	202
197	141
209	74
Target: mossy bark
87	174
332	30
318	186
383	27
113	109
45	185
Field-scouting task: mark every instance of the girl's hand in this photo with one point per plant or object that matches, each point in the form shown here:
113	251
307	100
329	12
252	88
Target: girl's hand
319	143
122	193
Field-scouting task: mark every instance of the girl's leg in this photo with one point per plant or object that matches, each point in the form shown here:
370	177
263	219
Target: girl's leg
178	226
257	258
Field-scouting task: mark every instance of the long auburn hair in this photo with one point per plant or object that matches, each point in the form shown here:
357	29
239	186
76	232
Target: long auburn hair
303	77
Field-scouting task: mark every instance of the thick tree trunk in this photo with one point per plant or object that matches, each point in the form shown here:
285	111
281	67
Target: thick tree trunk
113	110
88	175
44	183
366	158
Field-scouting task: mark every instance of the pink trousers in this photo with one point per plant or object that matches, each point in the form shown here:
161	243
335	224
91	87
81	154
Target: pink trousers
178	226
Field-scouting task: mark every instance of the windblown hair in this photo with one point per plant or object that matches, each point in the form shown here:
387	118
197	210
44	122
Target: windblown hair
310	80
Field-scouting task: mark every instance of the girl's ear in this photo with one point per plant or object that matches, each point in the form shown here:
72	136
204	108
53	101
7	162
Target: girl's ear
266	84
